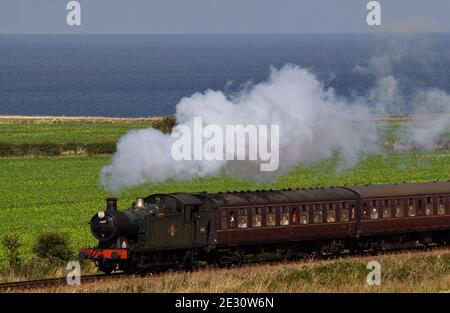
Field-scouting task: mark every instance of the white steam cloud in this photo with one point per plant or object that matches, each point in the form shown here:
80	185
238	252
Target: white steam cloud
314	125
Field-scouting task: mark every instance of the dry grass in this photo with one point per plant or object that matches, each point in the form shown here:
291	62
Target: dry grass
405	272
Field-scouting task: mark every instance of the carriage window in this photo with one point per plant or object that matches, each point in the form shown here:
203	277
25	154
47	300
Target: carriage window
364	212
352	212
224	219
411	208
270	221
331	213
344	215
399	209
318	217
294	216
256	217
242	219
374	210
232	219
284	216
441	207
429	207
304	215
387	213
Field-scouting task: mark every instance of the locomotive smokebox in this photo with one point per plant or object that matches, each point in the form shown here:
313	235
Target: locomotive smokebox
111	205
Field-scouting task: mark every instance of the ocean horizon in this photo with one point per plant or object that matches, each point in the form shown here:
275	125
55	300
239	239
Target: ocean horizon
139	75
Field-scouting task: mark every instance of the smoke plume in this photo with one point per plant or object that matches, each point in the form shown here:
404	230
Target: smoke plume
314	125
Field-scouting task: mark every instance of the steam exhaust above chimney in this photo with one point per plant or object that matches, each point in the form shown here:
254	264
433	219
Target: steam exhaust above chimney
111	204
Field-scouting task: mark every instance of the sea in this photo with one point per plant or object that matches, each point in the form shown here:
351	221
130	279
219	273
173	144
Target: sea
138	75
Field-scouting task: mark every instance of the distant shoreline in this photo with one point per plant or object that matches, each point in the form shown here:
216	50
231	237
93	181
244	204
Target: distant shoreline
48	119
62	117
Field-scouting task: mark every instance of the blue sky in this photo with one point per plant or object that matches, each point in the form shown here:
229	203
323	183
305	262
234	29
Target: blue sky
223	16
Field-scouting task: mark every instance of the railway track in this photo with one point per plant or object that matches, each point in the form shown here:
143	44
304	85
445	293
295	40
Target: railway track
52	282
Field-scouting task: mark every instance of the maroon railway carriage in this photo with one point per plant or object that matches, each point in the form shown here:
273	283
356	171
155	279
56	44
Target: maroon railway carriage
333	219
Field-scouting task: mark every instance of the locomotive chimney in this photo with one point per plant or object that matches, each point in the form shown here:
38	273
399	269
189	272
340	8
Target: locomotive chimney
111	204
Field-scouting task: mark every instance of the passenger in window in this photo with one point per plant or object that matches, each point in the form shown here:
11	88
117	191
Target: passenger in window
284	217
429	207
386	209
304	215
242	222
331	215
294	215
399	209
270	221
232	220
411	208
374	213
257	219
318	217
344	215
441	207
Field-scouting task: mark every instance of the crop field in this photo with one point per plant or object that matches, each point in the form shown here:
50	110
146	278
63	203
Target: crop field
61	193
60	133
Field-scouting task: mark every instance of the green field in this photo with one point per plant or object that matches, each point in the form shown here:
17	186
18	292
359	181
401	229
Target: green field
41	194
60	133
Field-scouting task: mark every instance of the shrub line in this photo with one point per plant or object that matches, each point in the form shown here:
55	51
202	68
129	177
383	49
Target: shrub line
55	149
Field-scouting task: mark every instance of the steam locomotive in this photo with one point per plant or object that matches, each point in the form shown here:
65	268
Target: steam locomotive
178	230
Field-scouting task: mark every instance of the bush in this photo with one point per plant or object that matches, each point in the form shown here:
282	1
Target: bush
53	245
48	148
6	149
11	243
165	124
100	148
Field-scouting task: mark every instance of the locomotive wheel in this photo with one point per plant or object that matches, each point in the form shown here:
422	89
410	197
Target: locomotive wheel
107	267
